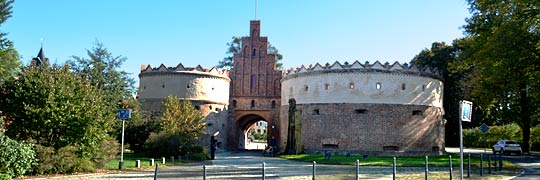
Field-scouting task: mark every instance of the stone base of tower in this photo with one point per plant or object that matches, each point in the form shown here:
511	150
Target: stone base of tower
376	129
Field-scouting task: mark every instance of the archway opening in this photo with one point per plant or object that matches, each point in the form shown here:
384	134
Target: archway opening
253	133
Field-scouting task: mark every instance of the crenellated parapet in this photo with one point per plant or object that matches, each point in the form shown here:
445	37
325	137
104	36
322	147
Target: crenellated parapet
366	67
148	69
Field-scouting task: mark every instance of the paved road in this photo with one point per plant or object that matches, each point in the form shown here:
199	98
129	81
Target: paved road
530	164
248	165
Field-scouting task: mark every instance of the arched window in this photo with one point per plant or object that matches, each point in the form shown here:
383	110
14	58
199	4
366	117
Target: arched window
234	103
273	104
252	103
254	52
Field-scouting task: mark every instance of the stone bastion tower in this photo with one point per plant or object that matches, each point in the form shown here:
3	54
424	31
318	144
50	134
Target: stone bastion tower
365	108
206	89
255	88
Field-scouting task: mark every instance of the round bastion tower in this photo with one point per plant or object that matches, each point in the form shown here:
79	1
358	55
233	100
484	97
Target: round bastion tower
365	108
206	89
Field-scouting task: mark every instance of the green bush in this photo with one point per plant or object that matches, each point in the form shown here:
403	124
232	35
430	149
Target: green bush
475	138
535	140
198	156
5	176
164	145
16	158
70	159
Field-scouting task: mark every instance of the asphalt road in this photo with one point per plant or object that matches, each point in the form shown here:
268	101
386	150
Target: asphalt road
530	164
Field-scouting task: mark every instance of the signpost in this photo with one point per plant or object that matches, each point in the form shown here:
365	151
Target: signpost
465	114
484	128
123	114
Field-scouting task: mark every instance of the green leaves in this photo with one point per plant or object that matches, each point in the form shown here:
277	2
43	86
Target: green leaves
181	118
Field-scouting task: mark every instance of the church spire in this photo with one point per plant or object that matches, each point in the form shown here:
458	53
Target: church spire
40	59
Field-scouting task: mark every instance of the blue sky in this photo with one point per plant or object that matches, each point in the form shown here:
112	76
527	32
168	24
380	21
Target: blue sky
196	32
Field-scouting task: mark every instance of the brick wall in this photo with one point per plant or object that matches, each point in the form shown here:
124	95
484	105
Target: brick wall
369	128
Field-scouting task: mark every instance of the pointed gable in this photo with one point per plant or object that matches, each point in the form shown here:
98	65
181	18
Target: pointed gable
396	66
317	67
179	67
198	68
162	67
377	65
336	65
302	69
357	65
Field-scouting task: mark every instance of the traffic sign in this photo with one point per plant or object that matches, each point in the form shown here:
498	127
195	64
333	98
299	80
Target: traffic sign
124	113
484	128
465	110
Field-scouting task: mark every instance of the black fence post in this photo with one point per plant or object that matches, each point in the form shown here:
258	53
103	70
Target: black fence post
469	164
481	164
394	169
156	171
357	169
450	163
427	169
263	171
314	170
204	172
500	161
489	163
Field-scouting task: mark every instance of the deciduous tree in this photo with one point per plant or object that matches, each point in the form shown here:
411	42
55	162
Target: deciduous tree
9	58
505	58
53	107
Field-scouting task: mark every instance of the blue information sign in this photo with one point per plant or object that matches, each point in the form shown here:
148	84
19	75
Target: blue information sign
466	111
124	113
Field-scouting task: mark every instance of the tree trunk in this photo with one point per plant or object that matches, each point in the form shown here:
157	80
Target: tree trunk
525	117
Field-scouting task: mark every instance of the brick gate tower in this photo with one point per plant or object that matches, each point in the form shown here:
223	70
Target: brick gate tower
255	88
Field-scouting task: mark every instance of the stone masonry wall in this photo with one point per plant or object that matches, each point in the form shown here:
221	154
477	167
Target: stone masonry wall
370	128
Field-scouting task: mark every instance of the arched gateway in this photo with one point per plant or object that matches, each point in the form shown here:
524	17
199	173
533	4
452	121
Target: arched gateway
254	93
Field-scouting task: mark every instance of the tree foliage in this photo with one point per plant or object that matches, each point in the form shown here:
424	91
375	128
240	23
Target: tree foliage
441	56
181	118
16	158
235	47
53	107
102	69
9	57
181	124
505	60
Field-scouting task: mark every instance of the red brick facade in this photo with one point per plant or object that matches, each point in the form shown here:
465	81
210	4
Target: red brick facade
255	86
379	129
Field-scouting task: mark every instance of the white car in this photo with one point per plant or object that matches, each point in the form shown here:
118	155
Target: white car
507	147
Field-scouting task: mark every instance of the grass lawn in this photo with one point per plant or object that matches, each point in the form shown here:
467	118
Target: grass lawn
129	161
388	160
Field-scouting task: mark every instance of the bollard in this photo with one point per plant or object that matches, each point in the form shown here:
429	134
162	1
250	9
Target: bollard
394	169
152	162
427	169
481	164
172	159
314	170
489	163
357	170
500	161
138	163
469	164
155	172
162	160
450	162
263	169
204	172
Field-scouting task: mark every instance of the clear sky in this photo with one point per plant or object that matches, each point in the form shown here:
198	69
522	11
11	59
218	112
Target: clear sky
196	32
